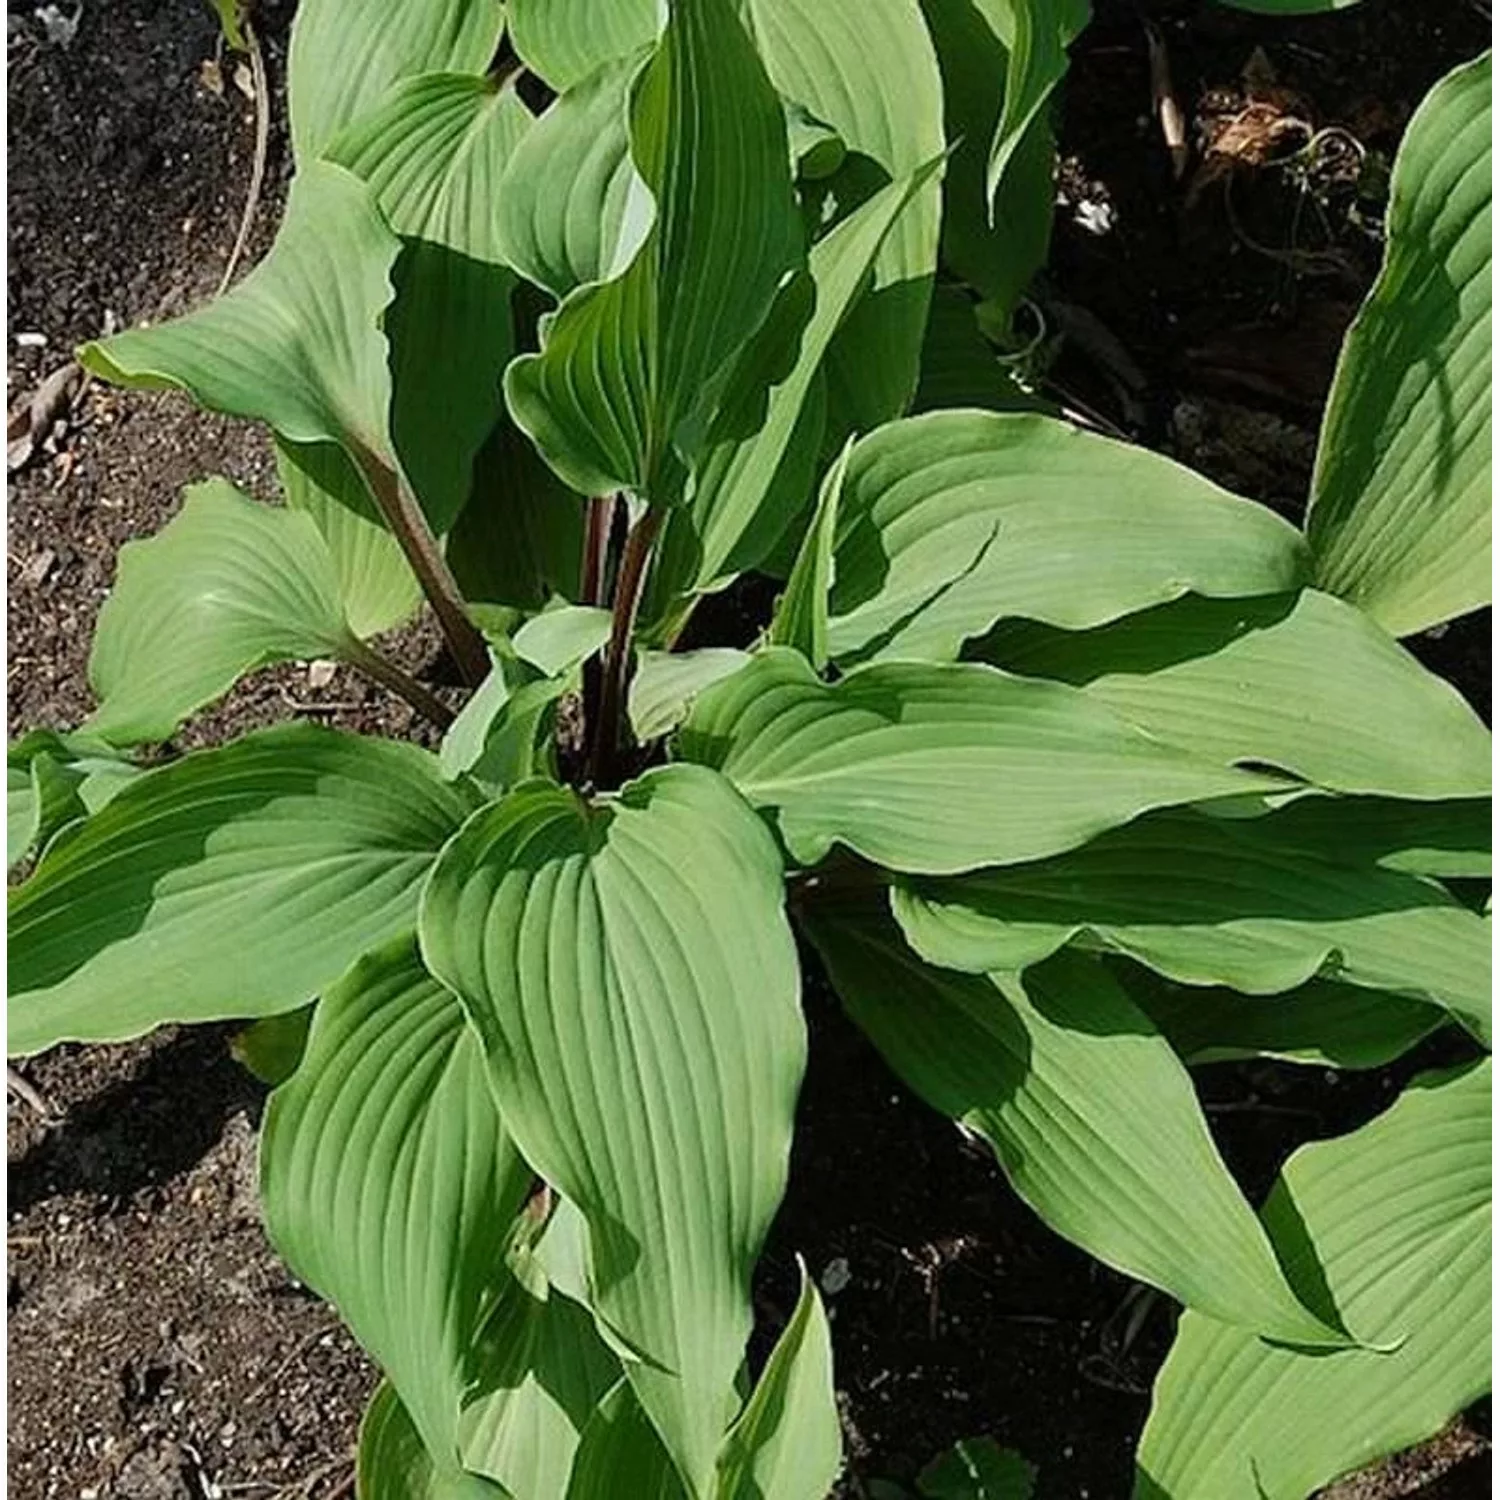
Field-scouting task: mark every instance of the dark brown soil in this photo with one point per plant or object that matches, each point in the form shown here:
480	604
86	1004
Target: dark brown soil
158	1350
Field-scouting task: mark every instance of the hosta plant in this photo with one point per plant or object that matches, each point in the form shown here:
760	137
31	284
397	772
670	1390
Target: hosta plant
1070	768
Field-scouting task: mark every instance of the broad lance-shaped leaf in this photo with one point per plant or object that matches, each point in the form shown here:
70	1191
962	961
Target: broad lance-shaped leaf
629	968
1085	530
572	208
866	69
434	154
1212	901
233	882
297	343
630	368
563	41
393	1464
1305	683
228	585
344	58
752	482
390	1184
935	769
1390	1227
377	587
1088	1109
801	619
1400	515
622	1452
788	1443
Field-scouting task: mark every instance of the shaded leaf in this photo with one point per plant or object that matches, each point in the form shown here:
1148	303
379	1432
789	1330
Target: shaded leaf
1307	684
1400	515
233	882
1085	529
1088	1110
1212	901
901	762
393	1465
621	1450
978	1469
801	618
1391	1227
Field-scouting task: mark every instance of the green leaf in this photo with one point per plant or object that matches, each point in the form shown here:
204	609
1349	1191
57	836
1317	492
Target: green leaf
393	1465
1289	7
232	883
996	249
1391	1227
788	1444
630	368
51	781
227	586
1088	1109
1212	901
563	637
572	209
1036	34
547	1372
343	59
563	41
621	1452
272	1048
960	367
629	961
934	769
1307	684
297	343
377	587
1449	839
434	154
978	1469
752	482
1322	1023
519	540
1400	515
666	684
389	1182
1085	529
866	69
801	618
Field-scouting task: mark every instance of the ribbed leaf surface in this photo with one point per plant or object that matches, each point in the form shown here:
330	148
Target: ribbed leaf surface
630	970
1212	901
434	153
226	586
956	519
1391	1226
788	1444
621	1453
756	475
572	209
563	41
297	343
1307	684
233	882
629	368
1087	1107
866	69
393	1465
903	762
1400	516
376	584
345	57
389	1183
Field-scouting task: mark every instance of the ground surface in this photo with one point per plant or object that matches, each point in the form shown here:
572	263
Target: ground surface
158	1350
